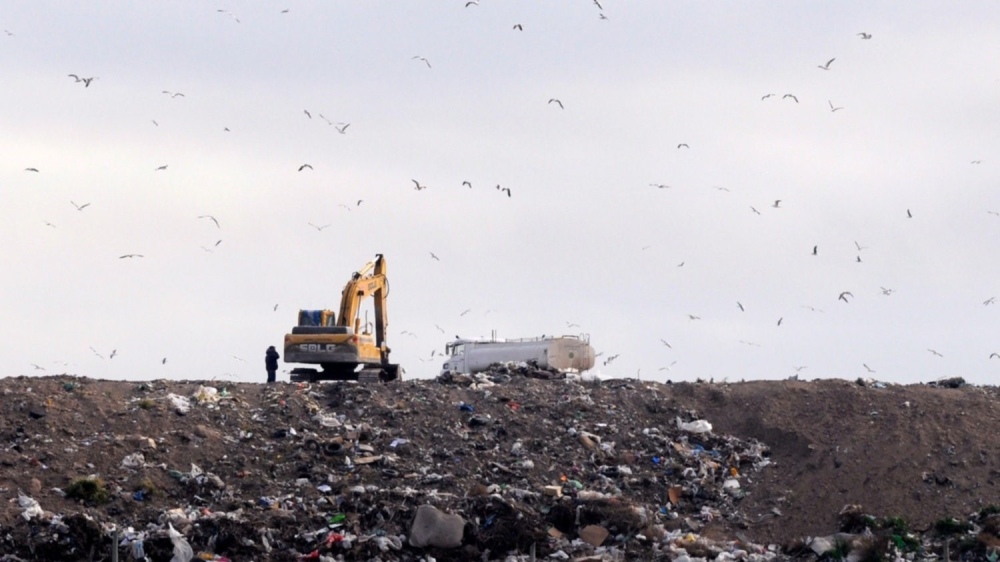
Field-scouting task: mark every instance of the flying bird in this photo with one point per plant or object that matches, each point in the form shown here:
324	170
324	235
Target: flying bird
977	162
611	358
989	301
417	186
518	27
780	319
96	353
113	353
418	57
211	218
328	122
554	100
47	223
667	368
864	35
827	65
434	256
935	352
86	81
790	96
80	207
693	317
815	250
163	167
164	361
174	94
230	14
752	208
40	368
832	108
684	144
304	166
997	355
598	4
275	308
571	325
659	185
342	128
909	215
360	201
664	342
869	369
467	183
843	296
766	96
472	3
466	311
777	203
740	305
318	228
507	189
440	329
31	169
131	256
306	111
886	292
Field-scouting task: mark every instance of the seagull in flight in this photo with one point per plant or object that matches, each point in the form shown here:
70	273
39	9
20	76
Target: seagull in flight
667	368
96	353
276	308
86	81
684	144
815	250
304	166
80	207
466	311
864	35
611	358
210	217
827	65
31	170
518	27
418	57
468	183
790	96
440	329
434	256
342	128
780	319
740	305
843	296
909	215
417	186
554	100
131	256
507	189
318	228
935	352
777	204
766	96
859	246
989	301
472	3
997	355
693	317
664	342
230	14
163	167
752	208
659	185
174	94
869	369
886	292
832	108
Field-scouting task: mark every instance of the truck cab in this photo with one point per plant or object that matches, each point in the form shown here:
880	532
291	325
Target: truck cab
455	353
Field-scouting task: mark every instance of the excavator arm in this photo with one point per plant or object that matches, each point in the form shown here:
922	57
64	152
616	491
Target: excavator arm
369	281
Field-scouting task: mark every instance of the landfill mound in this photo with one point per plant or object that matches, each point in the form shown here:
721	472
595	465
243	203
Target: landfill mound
513	464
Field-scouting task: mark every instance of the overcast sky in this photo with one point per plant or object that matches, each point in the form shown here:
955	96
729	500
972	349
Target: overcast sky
584	238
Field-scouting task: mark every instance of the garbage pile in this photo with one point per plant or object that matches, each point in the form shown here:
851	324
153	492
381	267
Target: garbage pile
495	466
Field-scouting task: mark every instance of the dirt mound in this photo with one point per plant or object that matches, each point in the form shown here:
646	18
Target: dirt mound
549	467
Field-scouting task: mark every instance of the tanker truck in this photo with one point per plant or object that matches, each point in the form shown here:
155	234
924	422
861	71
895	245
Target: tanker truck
562	353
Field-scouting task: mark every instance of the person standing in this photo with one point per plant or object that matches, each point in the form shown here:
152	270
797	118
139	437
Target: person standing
271	362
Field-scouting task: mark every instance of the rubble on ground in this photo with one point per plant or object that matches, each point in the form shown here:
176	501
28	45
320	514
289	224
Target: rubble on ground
505	465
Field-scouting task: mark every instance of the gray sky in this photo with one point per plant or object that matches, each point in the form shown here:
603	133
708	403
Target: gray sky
584	239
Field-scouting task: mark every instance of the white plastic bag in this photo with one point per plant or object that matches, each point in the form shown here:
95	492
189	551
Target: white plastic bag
182	550
180	403
207	394
30	505
697	426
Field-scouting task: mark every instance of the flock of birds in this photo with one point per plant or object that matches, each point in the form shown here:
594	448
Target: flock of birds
342	128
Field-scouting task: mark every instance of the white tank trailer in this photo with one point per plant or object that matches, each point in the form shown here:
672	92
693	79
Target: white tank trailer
563	353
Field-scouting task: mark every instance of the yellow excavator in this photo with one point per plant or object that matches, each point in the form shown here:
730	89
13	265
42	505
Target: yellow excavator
337	343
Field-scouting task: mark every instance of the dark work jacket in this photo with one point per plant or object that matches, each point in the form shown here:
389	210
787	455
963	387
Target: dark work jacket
271	359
